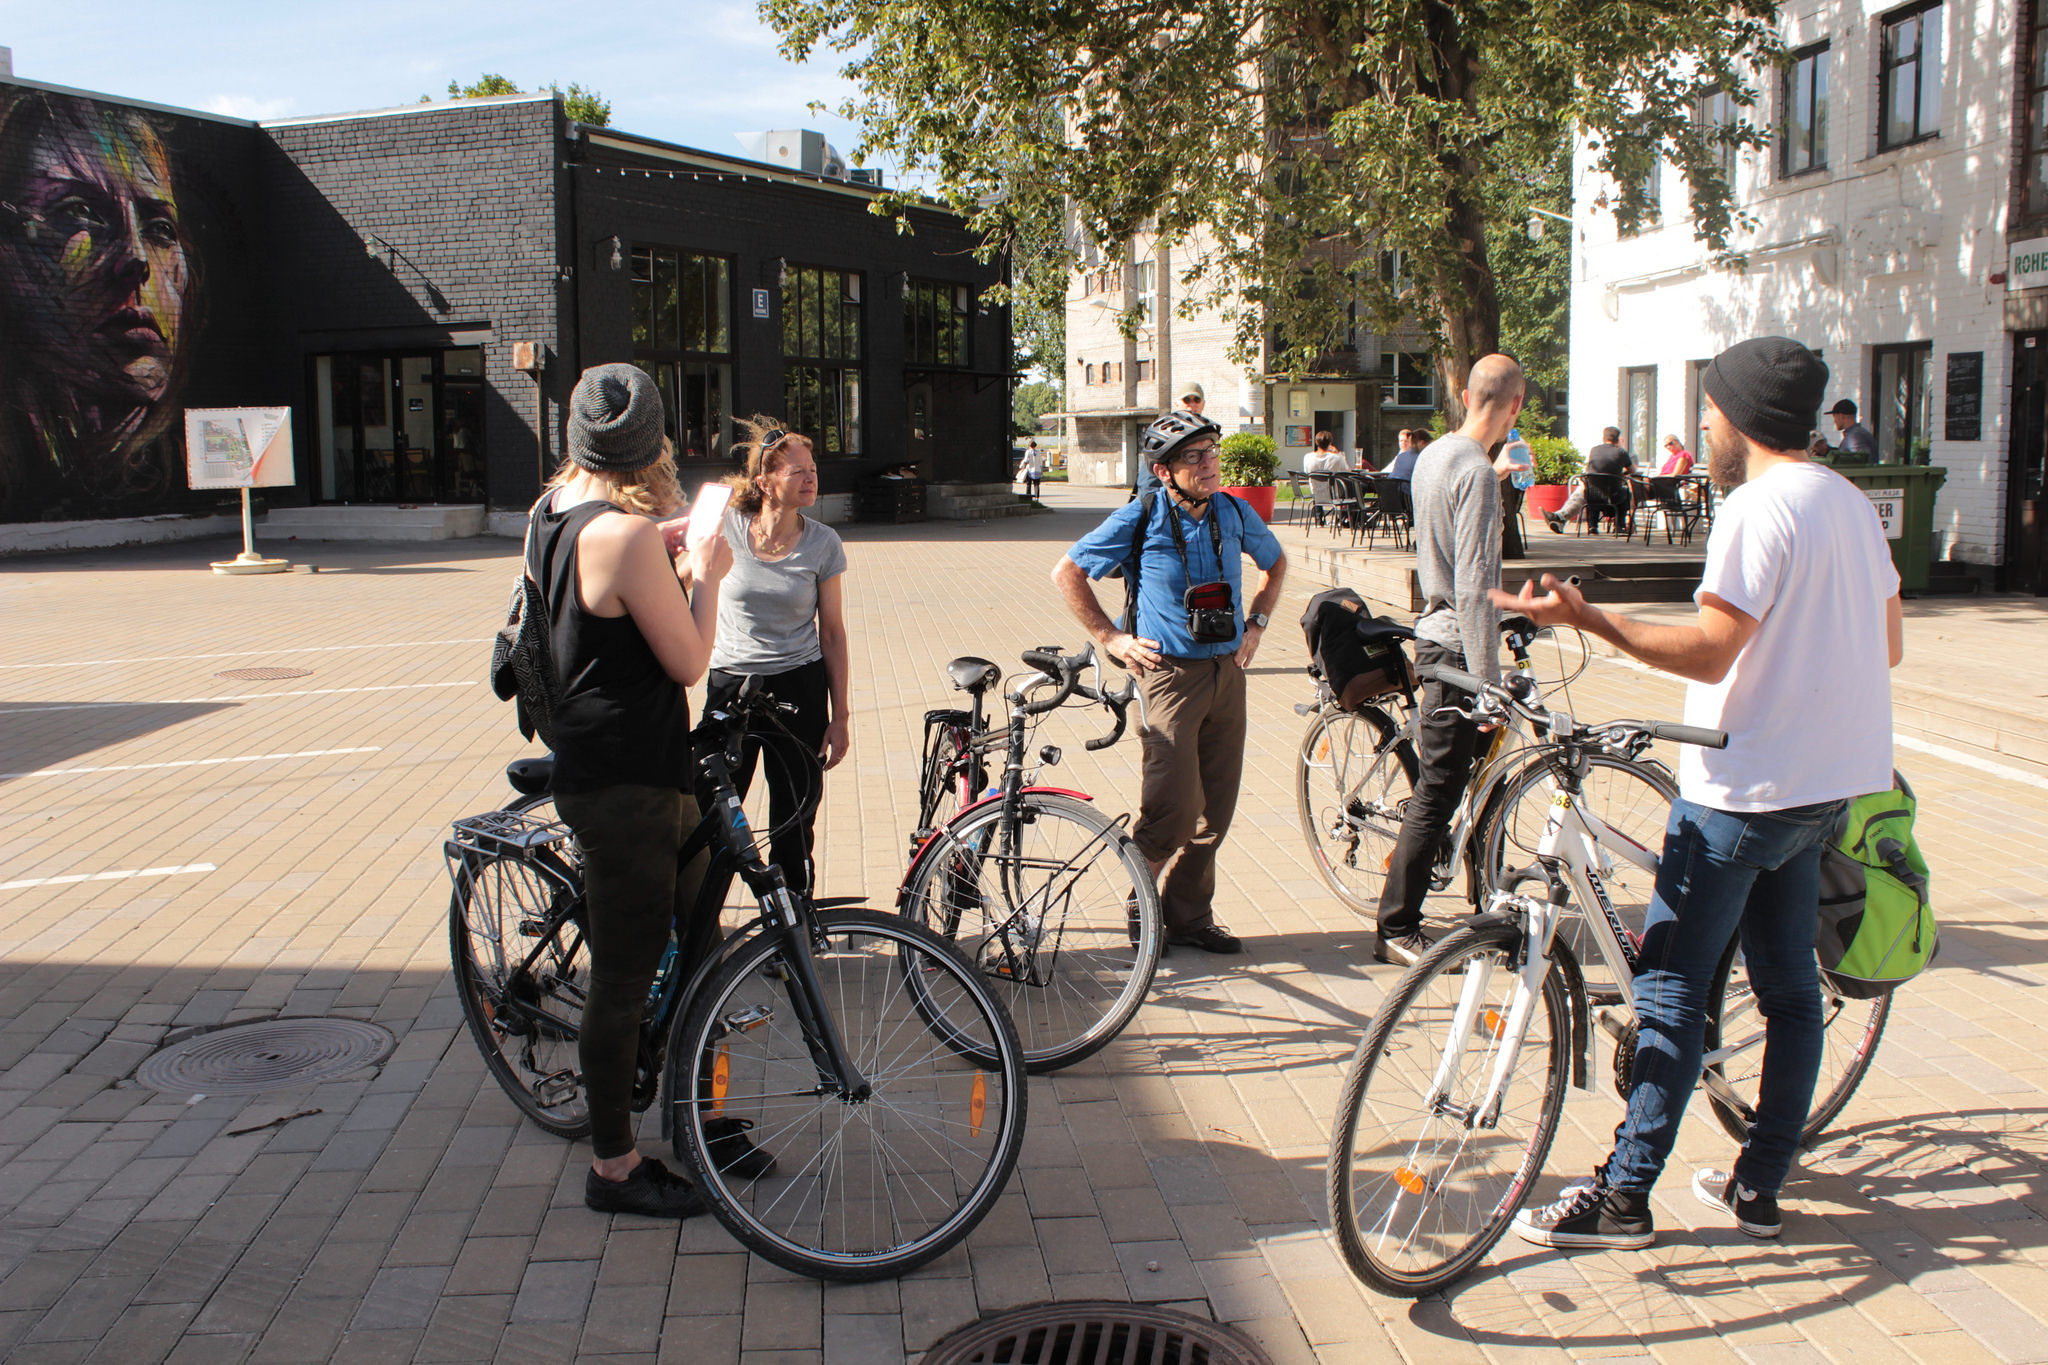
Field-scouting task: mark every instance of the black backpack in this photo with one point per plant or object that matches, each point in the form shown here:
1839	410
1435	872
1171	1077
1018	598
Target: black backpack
1360	656
523	654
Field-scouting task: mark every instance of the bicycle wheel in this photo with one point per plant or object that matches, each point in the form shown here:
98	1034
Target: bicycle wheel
860	1189
1065	927
1352	784
1418	1190
1632	798
521	970
1850	1030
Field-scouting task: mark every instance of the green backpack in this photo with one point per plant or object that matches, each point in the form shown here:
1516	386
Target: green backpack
1876	918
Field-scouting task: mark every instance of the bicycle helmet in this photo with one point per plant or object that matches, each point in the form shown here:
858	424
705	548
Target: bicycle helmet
1170	431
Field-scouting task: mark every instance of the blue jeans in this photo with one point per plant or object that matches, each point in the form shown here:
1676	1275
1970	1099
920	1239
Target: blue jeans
1725	872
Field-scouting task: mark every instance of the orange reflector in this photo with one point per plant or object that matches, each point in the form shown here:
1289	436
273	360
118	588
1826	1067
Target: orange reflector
1409	1179
721	1078
1495	1024
1322	751
977	1104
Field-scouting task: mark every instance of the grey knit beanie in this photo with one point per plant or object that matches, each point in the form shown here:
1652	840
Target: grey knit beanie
615	424
1768	388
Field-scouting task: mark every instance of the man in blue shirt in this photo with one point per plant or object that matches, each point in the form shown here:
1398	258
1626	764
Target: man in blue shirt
1189	651
1403	464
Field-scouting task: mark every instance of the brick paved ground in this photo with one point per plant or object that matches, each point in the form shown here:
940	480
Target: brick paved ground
414	1217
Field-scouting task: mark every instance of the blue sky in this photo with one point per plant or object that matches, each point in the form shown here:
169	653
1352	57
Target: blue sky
692	71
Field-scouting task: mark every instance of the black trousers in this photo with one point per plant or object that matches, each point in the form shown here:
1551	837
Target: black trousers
792	778
635	888
1444	750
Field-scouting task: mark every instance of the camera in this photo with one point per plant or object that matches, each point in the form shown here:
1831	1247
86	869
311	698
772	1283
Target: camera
1212	612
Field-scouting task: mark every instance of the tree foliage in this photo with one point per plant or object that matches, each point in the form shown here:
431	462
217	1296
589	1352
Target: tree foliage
1284	145
584	106
1029	403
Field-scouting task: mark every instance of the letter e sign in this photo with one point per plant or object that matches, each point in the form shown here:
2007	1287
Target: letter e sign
760	303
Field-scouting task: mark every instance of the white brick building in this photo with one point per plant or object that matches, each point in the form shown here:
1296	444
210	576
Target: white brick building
1885	215
1116	384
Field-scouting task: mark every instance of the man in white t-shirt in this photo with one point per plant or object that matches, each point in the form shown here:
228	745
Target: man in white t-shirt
1798	626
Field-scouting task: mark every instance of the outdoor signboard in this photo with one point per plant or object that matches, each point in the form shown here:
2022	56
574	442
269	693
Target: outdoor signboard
238	447
1965	395
2027	265
1891	509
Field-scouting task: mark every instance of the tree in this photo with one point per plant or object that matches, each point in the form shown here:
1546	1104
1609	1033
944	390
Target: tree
584	106
1285	146
1029	403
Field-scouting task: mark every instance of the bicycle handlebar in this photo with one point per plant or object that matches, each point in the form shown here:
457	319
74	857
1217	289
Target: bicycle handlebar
1503	697
1118	703
1056	667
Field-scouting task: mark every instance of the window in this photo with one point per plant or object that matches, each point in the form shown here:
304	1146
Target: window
1144	371
682	335
1414	383
1714	113
1639	411
1088	374
1909	75
1148	288
821	349
1696	386
935	322
1903	410
1803	113
2037	116
1393	270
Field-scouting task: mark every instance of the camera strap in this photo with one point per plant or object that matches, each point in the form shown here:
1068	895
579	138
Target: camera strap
1180	540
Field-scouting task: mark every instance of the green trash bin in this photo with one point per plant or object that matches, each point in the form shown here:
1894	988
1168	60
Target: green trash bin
1904	497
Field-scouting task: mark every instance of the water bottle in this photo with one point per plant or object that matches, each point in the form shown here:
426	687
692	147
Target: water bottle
1521	464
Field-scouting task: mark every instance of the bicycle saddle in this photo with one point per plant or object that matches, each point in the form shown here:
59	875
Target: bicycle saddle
973	675
531	776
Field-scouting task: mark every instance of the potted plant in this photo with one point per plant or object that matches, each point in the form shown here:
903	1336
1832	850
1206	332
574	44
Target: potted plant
1249	462
1557	462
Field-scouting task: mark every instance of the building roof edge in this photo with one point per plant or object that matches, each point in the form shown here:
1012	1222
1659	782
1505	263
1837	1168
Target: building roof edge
106	98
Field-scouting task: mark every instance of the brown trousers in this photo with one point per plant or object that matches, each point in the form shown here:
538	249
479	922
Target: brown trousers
1194	760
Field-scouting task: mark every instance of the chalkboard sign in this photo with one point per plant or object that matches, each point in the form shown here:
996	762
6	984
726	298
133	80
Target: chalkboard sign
1964	420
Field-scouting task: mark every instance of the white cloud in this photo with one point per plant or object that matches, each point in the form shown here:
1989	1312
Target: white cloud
248	106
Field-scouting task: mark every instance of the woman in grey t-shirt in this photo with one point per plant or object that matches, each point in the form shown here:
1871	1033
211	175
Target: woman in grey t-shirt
781	619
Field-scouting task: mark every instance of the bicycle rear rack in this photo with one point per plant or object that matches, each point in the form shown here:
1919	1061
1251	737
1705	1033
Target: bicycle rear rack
515	835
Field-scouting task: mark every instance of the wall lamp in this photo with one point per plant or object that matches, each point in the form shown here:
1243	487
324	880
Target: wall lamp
1536	217
377	249
618	252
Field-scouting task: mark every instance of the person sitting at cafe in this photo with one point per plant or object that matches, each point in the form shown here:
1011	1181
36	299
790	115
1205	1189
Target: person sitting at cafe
1609	460
1325	458
1678	461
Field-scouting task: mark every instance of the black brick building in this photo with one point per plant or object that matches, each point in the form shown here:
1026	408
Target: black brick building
422	286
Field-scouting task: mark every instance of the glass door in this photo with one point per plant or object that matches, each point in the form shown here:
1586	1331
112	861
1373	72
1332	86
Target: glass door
400	427
2026	523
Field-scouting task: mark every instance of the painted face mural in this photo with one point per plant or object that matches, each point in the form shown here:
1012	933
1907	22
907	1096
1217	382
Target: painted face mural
96	304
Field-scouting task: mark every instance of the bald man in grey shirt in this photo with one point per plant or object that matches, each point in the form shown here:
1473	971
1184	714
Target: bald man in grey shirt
1457	561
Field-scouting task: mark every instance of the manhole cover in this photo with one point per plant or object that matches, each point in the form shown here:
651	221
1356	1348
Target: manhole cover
270	1054
264	674
1096	1334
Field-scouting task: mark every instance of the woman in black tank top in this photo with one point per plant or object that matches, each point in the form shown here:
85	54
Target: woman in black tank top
629	635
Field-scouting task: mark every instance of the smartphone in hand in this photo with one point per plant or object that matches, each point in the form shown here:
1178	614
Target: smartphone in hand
700	523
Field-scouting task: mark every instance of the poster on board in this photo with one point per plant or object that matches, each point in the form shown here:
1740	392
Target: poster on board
238	447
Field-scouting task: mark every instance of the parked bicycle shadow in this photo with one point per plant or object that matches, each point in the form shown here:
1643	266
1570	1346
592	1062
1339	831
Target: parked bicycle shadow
1882	1203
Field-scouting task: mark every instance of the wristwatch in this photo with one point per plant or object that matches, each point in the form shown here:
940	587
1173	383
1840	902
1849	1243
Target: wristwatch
1258	618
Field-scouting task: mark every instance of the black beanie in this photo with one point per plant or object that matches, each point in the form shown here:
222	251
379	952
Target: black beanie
1768	388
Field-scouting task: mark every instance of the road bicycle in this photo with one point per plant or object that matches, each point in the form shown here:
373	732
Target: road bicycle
858	1050
1042	890
1356	770
1454	1095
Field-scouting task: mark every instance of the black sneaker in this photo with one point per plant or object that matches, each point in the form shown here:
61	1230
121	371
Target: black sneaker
1590	1215
1401	950
1754	1212
1555	522
652	1189
734	1152
1210	938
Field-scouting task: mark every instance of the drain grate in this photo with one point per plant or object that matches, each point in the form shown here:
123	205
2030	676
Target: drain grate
1096	1334
269	1054
264	674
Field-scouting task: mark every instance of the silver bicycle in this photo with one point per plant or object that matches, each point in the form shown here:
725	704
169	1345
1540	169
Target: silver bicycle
1454	1095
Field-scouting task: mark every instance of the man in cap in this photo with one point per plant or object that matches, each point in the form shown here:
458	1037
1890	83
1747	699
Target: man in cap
1189	533
1856	438
1798	626
1191	399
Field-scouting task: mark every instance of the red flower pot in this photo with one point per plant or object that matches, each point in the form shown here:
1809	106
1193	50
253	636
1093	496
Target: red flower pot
1545	497
1260	499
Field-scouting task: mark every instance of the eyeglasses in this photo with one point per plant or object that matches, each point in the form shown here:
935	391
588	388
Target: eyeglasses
1195	454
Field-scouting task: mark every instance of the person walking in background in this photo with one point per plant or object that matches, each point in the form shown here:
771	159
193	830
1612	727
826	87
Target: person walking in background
1032	468
1189	658
1798	627
1608	460
1856	438
783	621
1457	506
630	630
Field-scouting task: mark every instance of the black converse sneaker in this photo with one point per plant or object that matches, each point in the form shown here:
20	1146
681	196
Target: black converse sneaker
1590	1215
1754	1212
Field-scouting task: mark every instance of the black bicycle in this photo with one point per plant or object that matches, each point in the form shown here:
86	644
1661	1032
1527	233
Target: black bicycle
878	1077
1045	893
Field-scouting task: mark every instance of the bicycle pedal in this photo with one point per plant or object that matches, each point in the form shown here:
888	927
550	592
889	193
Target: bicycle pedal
533	928
748	1019
1611	1023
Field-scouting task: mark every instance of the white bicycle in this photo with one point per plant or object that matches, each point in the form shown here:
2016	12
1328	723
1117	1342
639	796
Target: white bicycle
1454	1095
